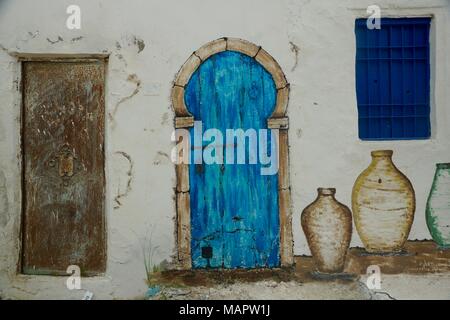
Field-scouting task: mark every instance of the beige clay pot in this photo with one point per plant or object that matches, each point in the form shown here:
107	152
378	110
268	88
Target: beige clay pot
328	228
383	204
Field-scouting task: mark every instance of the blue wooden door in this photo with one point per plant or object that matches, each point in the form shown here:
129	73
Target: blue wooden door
234	209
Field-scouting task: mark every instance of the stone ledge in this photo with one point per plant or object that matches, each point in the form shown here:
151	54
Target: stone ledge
420	258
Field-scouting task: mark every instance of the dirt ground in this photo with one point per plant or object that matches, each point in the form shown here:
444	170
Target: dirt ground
393	287
421	273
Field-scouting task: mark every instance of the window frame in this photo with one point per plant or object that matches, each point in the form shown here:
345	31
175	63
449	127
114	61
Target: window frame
428	89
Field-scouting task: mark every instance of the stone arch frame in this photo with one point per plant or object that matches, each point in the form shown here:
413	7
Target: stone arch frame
277	120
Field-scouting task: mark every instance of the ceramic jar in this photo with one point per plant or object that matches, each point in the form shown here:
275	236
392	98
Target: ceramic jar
383	203
438	206
327	225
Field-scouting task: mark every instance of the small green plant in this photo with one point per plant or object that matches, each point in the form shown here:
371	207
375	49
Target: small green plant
149	251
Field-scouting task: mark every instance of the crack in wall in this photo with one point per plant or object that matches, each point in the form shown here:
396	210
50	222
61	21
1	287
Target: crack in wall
140	44
130	179
77	39
160	158
385	293
134	79
373	294
131	40
295	49
59	39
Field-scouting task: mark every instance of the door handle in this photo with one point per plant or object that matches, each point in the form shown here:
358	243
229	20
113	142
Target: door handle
65	162
65	166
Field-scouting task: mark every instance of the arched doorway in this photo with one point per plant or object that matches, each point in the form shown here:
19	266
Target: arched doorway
227	215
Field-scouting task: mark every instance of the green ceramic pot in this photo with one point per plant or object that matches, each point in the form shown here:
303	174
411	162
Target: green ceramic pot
438	206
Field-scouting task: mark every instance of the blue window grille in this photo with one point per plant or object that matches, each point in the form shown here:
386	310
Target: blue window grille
393	79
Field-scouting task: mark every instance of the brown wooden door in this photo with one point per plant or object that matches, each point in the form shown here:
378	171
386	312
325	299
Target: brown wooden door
63	154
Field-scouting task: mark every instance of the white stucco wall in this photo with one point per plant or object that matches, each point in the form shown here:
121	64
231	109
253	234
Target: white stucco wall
324	147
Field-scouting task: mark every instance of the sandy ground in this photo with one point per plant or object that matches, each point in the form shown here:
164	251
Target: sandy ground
436	286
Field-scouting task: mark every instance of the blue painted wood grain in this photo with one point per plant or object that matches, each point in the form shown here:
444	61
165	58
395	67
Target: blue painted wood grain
234	209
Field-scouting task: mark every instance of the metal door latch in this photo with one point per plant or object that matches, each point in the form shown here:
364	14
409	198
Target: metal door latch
207	253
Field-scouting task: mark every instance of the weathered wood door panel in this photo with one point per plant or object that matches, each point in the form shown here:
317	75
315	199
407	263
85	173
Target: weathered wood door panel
63	156
234	209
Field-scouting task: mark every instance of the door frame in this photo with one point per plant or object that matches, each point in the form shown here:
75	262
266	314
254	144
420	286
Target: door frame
277	120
